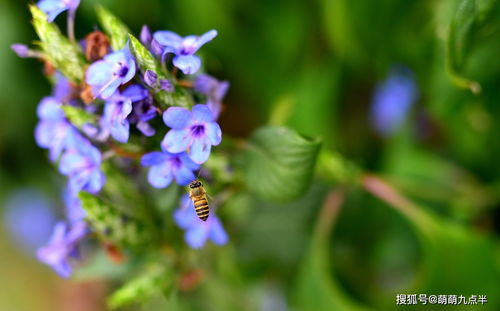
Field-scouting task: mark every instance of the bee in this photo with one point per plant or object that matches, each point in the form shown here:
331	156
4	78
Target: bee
198	195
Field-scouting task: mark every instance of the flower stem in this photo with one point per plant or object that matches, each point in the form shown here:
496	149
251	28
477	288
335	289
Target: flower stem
329	212
385	192
71	25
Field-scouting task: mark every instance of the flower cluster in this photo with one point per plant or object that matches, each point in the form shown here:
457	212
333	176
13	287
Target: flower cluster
86	124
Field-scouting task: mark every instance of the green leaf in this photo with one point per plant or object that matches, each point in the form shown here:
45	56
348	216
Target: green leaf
279	163
112	225
334	168
60	52
154	281
458	43
464	25
78	116
147	61
315	288
115	28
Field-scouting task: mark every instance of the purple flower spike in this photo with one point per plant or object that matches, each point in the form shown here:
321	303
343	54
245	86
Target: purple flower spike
198	231
117	109
166	167
63	247
82	165
183	48
106	75
55	7
195	131
392	100
214	90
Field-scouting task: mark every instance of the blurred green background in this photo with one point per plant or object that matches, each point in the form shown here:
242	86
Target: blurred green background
314	66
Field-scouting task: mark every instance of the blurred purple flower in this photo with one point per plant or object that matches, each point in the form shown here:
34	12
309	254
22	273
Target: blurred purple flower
63	89
21	50
392	100
63	247
99	132
214	90
106	75
183	48
198	231
81	163
53	132
117	109
166	167
74	210
195	131
29	218
145	35
55	7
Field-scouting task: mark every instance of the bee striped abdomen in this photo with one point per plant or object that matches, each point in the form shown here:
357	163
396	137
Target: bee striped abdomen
201	207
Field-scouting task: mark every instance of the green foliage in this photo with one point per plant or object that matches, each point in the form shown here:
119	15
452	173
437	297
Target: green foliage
155	280
112	225
114	28
77	116
315	289
464	26
279	163
60	52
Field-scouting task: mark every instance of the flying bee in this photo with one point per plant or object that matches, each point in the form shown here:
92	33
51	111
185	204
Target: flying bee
198	195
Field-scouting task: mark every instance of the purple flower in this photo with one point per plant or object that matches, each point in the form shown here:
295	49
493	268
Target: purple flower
214	90
145	35
81	163
166	85
150	77
74	210
142	112
53	132
198	231
183	48
195	131
117	109
63	90
167	166
107	74
29	218
55	7
63	247
392	100
98	132
21	50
